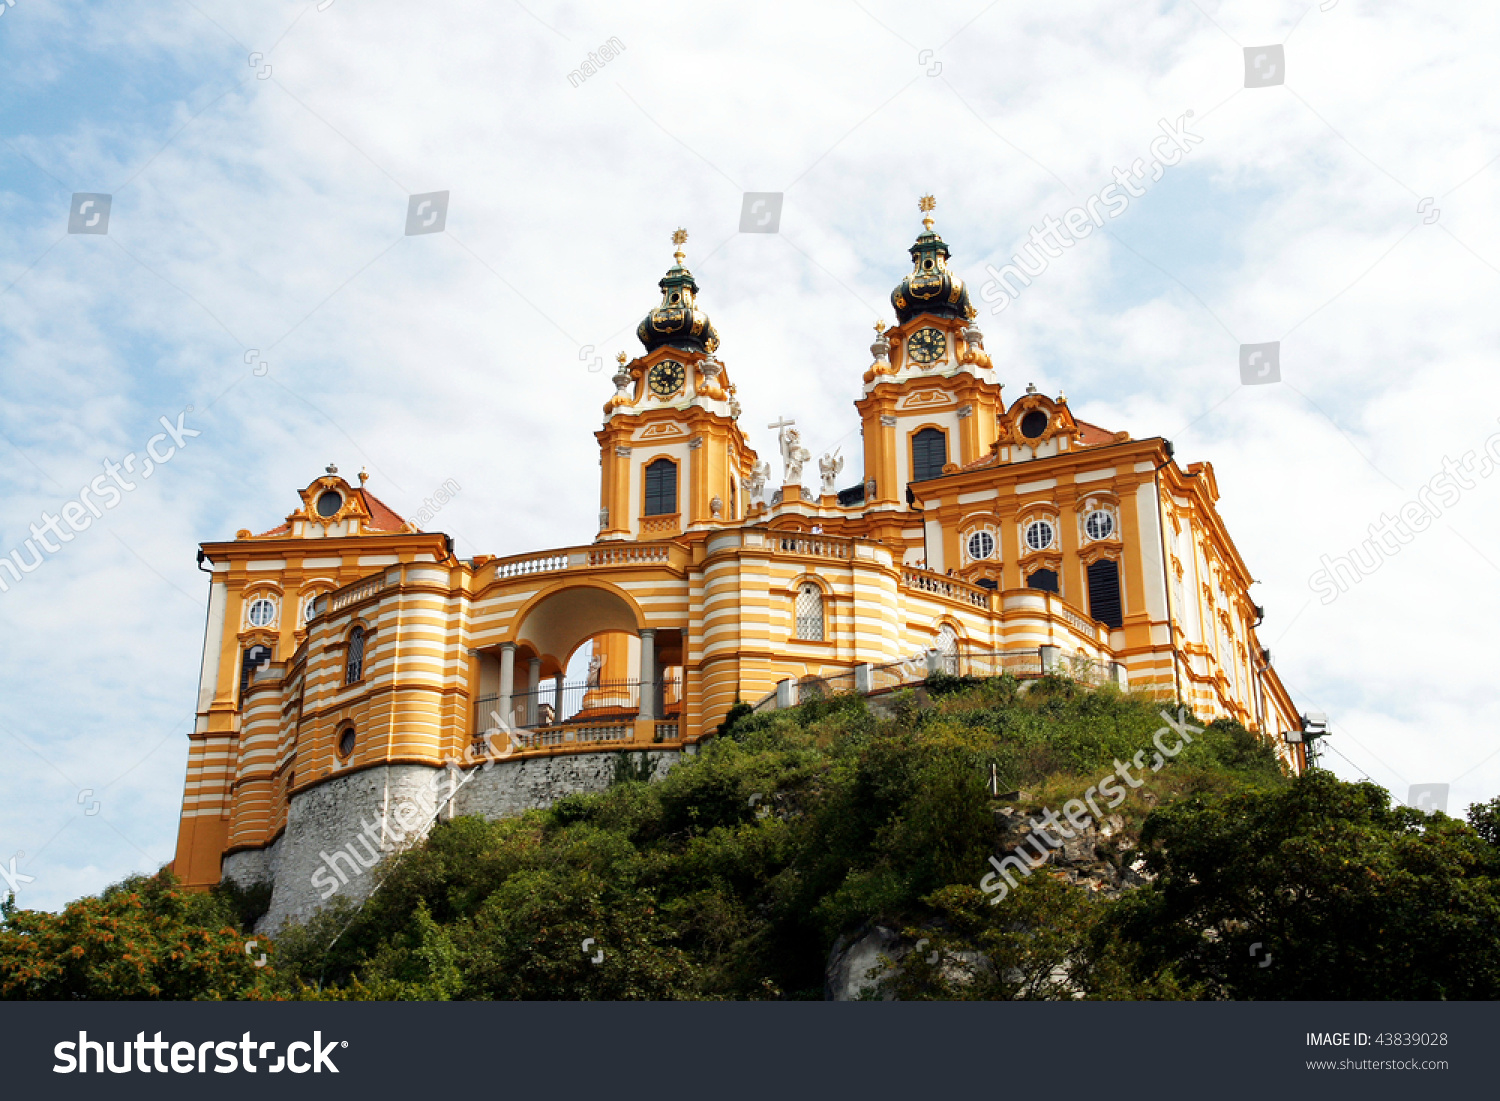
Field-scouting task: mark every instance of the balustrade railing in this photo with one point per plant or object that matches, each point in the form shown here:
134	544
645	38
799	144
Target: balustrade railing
629	554
815	546
353	594
521	567
949	587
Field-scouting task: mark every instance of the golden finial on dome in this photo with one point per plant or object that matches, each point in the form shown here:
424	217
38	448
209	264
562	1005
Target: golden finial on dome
926	204
679	238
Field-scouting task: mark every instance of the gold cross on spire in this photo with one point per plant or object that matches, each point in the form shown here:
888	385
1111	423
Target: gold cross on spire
679	237
926	204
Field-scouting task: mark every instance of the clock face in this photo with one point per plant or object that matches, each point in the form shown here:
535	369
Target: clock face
926	345
666	379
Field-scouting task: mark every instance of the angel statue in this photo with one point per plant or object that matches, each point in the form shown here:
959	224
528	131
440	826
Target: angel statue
755	485
829	467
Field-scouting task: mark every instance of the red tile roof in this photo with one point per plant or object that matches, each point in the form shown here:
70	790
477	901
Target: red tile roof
1093	434
382	516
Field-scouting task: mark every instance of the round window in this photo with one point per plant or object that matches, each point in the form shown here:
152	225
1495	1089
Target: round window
262	611
346	742
981	544
1099	524
329	502
309	607
1039	535
1033	424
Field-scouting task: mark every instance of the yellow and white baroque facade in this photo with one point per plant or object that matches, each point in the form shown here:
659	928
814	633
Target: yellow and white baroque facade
346	641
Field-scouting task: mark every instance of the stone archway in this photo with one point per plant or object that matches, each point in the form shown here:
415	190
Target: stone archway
554	624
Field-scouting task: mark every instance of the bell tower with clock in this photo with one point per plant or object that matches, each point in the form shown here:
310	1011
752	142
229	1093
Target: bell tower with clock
671	454
930	398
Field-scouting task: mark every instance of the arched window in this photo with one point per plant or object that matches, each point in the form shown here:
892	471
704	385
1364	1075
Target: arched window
946	645
810	612
346	741
1045	580
1104	592
354	664
929	454
661	488
253	658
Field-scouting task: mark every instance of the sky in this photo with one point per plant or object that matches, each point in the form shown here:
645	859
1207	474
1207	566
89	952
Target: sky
255	284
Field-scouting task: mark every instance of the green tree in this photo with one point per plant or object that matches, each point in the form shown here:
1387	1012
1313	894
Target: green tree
141	939
1321	890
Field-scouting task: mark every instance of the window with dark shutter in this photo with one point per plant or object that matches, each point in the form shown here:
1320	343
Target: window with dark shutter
252	660
661	488
929	454
1104	592
1045	580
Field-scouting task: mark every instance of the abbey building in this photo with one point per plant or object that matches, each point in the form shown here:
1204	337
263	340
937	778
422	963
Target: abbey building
355	669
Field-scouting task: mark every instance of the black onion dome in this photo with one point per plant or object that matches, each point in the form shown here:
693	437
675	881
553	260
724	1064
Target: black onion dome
677	321
931	287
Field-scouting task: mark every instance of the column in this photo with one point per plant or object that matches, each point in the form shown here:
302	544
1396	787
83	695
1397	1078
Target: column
533	691
507	680
557	699
648	672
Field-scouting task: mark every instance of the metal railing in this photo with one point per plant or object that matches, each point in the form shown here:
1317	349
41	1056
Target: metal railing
580	703
1027	664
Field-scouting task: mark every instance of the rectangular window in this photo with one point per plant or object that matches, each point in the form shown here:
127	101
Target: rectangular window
929	454
1104	592
661	488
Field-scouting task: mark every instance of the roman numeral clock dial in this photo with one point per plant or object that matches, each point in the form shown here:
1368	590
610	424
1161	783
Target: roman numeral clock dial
666	379
927	345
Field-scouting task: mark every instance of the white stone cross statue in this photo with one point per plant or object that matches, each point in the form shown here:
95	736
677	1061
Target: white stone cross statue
793	454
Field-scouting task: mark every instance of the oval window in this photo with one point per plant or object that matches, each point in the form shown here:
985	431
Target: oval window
981	544
1099	524
346	742
1033	424
329	502
262	611
1039	535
